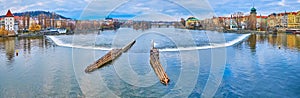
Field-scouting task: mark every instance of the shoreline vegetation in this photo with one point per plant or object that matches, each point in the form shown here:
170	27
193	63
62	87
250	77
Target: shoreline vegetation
115	24
40	34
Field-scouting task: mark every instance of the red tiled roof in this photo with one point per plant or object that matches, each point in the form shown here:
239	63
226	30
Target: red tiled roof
9	14
294	13
224	17
17	17
283	13
261	16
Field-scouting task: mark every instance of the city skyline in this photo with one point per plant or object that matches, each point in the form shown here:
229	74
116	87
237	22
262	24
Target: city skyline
133	8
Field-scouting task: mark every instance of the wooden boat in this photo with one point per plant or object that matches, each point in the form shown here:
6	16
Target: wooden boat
157	67
111	55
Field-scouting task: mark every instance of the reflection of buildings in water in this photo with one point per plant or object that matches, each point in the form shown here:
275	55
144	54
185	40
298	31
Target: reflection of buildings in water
272	39
298	42
10	44
261	38
41	43
279	40
9	47
252	42
291	41
284	39
26	45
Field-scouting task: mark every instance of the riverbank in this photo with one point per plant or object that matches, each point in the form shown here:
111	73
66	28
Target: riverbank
38	34
238	31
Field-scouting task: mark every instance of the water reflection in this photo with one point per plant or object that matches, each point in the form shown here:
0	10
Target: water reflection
10	45
280	41
252	42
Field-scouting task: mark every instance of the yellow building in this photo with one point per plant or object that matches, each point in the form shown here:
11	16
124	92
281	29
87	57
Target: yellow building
291	41
294	19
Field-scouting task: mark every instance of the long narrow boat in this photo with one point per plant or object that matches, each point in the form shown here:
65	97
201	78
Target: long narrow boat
110	56
157	67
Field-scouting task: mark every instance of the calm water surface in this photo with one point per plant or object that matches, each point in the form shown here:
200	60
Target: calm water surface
256	65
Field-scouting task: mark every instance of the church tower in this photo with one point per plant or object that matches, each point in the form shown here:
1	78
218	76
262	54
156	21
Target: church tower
252	19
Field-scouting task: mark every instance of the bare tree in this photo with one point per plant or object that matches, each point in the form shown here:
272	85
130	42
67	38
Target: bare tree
238	16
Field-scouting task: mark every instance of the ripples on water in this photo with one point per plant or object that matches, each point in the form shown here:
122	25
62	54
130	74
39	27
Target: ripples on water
47	67
40	69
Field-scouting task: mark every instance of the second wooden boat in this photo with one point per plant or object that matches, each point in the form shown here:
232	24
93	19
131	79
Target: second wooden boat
157	67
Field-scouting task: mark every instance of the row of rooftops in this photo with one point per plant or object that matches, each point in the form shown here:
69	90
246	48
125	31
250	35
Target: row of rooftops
285	13
274	14
9	14
241	17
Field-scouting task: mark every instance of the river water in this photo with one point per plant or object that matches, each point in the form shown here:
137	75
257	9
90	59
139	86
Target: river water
199	63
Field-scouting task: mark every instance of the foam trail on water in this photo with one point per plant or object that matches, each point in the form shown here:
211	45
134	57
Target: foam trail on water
230	43
60	43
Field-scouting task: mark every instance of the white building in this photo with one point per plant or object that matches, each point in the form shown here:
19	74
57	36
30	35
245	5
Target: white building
9	22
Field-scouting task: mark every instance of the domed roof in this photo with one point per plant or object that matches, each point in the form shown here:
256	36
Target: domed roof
253	9
192	19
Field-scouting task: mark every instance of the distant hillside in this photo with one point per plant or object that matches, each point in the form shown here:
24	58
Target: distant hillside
36	13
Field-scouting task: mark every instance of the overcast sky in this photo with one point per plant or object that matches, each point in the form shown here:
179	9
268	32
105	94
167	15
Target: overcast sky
164	9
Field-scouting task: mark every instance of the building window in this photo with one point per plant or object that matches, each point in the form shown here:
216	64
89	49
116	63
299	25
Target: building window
290	20
298	20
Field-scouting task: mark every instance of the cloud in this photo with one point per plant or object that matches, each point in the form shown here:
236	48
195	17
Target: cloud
70	6
264	7
281	3
88	1
174	8
97	9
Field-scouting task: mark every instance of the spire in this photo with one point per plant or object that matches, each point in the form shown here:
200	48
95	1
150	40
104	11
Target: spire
9	14
285	12
253	3
253	10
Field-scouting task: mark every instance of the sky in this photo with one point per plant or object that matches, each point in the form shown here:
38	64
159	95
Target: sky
149	9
